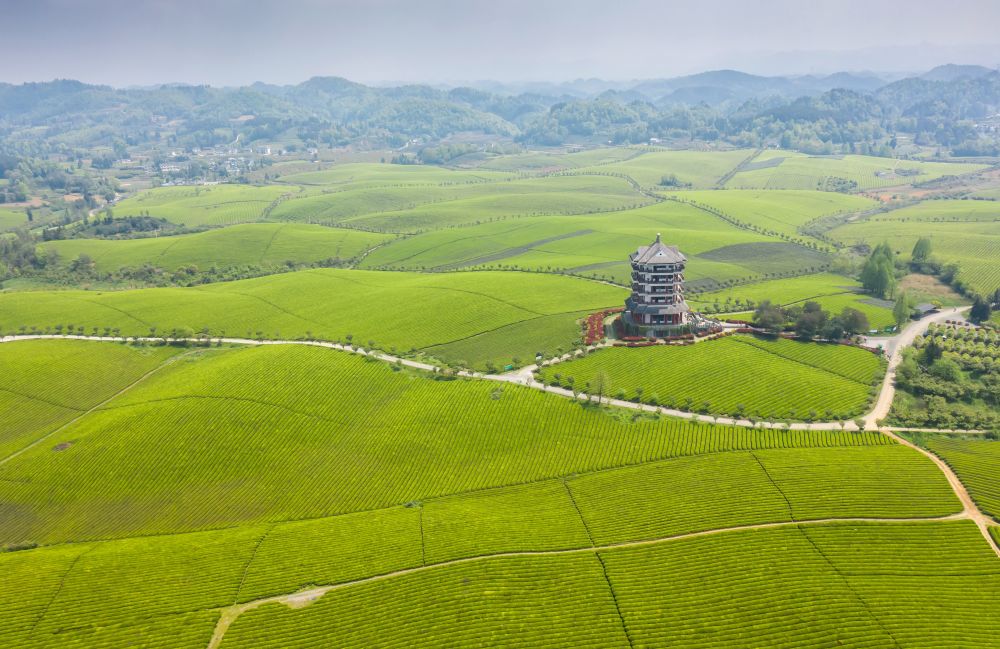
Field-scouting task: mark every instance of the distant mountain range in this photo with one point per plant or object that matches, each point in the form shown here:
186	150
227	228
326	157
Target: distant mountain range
833	112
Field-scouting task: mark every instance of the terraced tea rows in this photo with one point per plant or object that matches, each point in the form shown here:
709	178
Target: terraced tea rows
673	497
45	386
594	244
699	169
766	379
516	602
267	244
783	587
405	311
359	175
229	413
411	209
791	170
203	205
926	585
781	211
977	463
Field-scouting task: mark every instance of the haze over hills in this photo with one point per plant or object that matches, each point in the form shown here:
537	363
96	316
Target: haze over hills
843	112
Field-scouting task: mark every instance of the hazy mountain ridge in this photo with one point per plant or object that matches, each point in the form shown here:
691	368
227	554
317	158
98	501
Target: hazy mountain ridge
719	104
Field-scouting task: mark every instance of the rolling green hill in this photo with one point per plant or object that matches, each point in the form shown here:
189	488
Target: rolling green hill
790	170
204	205
964	232
514	314
239	245
790	379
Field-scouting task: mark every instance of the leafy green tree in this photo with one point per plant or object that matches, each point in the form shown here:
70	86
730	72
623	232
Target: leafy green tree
878	276
901	309
854	321
811	321
980	311
769	316
921	250
602	385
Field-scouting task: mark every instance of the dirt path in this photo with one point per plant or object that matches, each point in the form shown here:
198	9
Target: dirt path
970	510
895	348
304	598
524	376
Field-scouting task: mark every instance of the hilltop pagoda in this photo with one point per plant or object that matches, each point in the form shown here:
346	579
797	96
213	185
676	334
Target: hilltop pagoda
656	307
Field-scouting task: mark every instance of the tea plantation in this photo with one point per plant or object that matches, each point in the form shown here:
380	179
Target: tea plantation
765	379
171	489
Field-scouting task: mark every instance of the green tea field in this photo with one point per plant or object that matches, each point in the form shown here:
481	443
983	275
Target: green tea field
279	557
212	205
790	170
248	244
316	426
966	233
512	314
765	379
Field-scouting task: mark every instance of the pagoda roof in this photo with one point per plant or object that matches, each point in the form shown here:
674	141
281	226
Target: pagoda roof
657	253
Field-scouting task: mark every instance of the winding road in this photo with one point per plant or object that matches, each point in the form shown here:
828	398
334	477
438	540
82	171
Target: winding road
524	377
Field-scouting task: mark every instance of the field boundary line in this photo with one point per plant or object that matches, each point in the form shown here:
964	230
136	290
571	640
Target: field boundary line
253	555
726	177
58	589
572	500
847	583
302	598
614	598
39	399
767	474
84	413
270	242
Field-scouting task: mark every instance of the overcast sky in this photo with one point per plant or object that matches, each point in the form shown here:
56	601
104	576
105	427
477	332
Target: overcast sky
229	42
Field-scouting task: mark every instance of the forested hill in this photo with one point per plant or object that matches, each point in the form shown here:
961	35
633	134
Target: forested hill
951	106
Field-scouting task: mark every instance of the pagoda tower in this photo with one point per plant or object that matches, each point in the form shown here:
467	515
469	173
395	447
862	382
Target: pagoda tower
656	307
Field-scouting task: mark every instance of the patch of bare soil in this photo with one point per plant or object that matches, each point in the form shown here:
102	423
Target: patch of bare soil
62	447
928	285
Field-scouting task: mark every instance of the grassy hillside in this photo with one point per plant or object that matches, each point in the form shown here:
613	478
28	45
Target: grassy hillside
781	211
402	311
239	245
791	170
386	175
770	379
599	245
275	433
550	161
960	232
414	208
46	385
203	205
832	291
11	219
700	169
